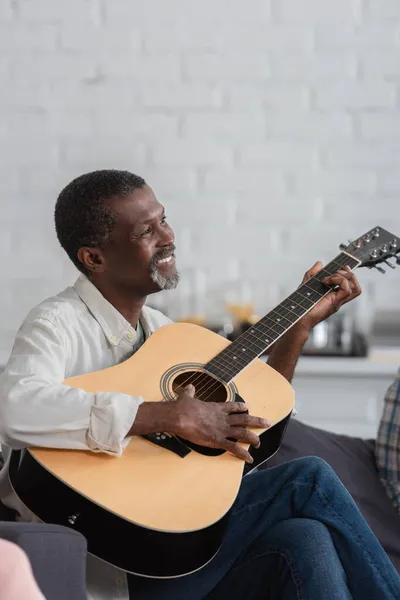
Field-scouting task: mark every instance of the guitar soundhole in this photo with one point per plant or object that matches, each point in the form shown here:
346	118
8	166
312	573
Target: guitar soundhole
207	388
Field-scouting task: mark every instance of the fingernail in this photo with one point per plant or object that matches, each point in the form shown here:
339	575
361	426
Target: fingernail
266	423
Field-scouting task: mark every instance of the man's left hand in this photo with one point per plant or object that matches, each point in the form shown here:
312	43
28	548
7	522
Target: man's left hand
348	289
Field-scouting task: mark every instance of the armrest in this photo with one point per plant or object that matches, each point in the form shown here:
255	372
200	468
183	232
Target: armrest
57	555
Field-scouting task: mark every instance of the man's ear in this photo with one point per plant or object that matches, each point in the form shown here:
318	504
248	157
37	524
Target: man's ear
92	259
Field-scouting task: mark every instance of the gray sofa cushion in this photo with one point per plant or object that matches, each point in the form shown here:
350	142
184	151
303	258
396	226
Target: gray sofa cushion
353	461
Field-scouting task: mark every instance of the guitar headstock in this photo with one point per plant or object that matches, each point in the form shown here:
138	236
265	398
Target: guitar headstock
374	247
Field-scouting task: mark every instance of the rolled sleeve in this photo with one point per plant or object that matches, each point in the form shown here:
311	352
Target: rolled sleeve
111	418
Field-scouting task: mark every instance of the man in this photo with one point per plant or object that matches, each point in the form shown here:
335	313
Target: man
387	446
294	531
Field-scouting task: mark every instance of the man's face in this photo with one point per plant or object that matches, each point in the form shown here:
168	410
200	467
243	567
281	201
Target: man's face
140	252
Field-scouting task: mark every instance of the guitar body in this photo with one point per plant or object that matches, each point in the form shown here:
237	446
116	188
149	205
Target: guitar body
170	506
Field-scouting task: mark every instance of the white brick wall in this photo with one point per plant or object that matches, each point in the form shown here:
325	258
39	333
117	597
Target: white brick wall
269	128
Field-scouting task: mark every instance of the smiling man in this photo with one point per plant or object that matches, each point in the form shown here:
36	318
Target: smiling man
295	532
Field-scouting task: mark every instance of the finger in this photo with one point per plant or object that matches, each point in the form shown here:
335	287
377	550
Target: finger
234	407
241	434
340	273
338	280
190	390
357	287
316	268
248	421
237	450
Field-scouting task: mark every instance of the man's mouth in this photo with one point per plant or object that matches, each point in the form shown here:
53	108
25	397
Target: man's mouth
166	261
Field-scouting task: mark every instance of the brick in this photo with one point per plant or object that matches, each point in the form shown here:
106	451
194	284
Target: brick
177	96
271	96
193	152
360	154
380	125
383	9
219	67
227	126
103	152
170	181
245	181
316	10
343	95
53	124
99	40
141	127
346	181
6	12
164	67
188	11
46	11
277	209
104	97
363	213
381	65
23	39
309	125
389	181
46	68
344	37
278	154
35	152
310	68
317	242
24	95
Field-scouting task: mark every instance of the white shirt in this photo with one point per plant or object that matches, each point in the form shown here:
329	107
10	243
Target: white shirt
75	332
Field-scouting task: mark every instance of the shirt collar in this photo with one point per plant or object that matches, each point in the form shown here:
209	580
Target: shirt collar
113	324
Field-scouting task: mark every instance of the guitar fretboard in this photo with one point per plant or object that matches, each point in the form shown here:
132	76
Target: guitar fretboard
260	336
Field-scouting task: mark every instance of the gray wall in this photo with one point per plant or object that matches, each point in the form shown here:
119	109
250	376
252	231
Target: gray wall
270	130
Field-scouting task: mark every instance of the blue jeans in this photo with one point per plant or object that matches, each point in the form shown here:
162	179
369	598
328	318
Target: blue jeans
294	533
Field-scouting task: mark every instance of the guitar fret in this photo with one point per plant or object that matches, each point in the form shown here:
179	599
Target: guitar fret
260	336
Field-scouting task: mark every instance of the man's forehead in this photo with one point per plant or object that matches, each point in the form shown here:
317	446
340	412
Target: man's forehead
139	207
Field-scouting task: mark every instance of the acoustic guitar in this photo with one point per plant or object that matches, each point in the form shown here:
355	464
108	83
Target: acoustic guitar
161	509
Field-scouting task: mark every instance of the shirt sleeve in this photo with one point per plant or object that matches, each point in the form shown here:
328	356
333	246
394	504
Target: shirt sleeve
37	409
387	446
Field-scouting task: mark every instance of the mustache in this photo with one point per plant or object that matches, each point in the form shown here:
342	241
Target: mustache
162	254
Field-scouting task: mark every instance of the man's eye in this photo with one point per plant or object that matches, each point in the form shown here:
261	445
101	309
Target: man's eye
146	231
163	220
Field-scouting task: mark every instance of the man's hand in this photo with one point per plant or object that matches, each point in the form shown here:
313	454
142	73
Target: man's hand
212	423
348	289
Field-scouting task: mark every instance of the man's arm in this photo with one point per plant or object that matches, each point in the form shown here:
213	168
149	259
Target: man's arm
37	409
286	351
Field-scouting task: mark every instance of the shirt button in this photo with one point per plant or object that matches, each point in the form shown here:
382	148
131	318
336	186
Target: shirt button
130	336
113	338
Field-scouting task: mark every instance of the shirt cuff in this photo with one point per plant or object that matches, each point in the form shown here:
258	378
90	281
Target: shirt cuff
111	418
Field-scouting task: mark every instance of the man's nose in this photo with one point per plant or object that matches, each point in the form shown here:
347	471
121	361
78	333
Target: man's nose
167	237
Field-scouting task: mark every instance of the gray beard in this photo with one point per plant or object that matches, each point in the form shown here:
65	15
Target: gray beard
164	283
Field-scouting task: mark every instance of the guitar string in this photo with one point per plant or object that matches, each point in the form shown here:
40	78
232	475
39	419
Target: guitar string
215	383
212	387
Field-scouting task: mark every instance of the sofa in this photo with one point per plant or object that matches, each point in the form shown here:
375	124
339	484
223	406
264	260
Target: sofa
57	555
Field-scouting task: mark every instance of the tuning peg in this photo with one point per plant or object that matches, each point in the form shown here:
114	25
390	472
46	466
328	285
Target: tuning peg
342	246
398	260
380	270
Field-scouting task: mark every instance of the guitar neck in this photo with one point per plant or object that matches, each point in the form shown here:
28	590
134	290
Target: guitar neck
259	337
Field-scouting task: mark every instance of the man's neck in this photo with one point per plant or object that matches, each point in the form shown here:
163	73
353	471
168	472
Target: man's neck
128	305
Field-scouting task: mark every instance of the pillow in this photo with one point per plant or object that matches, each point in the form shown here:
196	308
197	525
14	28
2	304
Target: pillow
353	461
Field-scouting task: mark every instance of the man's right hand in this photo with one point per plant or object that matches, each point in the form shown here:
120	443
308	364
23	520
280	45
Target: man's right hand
212	423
